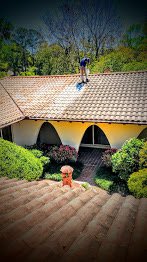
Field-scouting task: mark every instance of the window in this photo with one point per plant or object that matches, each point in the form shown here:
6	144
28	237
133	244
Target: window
94	136
6	133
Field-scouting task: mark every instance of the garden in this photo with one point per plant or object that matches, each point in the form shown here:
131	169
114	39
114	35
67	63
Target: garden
37	161
123	171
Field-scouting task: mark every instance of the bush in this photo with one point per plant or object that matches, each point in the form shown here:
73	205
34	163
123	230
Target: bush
126	160
18	162
55	177
62	154
143	157
108	180
43	159
55	173
107	155
86	185
104	178
137	183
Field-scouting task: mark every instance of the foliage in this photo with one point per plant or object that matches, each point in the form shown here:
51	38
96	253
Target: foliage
26	52
18	162
62	154
104	178
126	160
43	159
114	61
55	177
85	185
135	66
137	183
143	156
109	181
106	157
54	172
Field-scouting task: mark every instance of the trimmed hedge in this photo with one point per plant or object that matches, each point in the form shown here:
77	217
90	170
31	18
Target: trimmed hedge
18	162
137	183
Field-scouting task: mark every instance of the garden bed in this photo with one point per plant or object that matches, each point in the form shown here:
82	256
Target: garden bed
110	181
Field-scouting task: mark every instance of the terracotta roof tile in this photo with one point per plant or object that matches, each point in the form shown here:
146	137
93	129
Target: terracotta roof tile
43	221
9	111
116	97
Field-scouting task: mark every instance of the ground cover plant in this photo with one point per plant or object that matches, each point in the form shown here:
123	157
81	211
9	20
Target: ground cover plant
108	180
18	162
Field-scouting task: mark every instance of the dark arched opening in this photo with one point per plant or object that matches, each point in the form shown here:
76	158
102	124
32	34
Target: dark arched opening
95	137
143	134
48	135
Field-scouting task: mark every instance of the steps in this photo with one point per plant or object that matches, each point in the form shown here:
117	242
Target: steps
43	221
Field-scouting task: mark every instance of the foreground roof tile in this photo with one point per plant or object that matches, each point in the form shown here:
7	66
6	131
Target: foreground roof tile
43	221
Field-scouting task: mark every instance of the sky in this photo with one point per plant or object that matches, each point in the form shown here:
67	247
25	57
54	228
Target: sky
28	13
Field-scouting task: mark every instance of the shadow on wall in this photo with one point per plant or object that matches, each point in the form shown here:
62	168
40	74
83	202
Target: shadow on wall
143	134
48	135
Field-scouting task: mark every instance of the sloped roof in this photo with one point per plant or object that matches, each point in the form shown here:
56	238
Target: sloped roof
9	111
43	221
112	97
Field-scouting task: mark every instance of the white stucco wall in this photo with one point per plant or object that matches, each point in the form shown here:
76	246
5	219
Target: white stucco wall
26	132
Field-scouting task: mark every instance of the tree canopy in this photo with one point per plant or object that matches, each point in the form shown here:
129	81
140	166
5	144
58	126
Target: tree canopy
73	32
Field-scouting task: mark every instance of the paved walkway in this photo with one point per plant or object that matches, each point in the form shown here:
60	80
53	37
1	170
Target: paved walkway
91	158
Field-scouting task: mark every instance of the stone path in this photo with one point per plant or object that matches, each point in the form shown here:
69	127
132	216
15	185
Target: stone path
91	158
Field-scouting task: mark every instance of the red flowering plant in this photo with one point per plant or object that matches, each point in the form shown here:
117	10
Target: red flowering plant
62	154
106	157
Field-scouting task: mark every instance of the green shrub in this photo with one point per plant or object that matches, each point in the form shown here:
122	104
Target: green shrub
55	177
43	159
109	181
137	183
107	155
143	157
85	185
104	178
18	162
55	173
126	160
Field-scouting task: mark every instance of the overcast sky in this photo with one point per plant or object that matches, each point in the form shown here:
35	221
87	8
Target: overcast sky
27	13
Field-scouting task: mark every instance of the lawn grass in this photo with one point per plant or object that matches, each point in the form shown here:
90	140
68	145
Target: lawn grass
110	181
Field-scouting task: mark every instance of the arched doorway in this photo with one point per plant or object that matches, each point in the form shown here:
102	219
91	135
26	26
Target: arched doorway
94	137
143	134
48	135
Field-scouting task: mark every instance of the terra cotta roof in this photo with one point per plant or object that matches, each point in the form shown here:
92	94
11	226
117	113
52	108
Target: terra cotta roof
110	97
43	221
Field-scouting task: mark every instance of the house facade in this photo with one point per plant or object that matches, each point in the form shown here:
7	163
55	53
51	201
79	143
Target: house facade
104	113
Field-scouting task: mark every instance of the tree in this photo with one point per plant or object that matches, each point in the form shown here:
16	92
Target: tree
5	29
100	23
114	61
28	41
135	36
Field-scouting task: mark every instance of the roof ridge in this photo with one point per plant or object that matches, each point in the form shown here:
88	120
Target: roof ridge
12	99
74	75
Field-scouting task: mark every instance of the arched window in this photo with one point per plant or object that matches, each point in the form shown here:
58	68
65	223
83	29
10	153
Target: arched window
143	134
48	135
95	137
